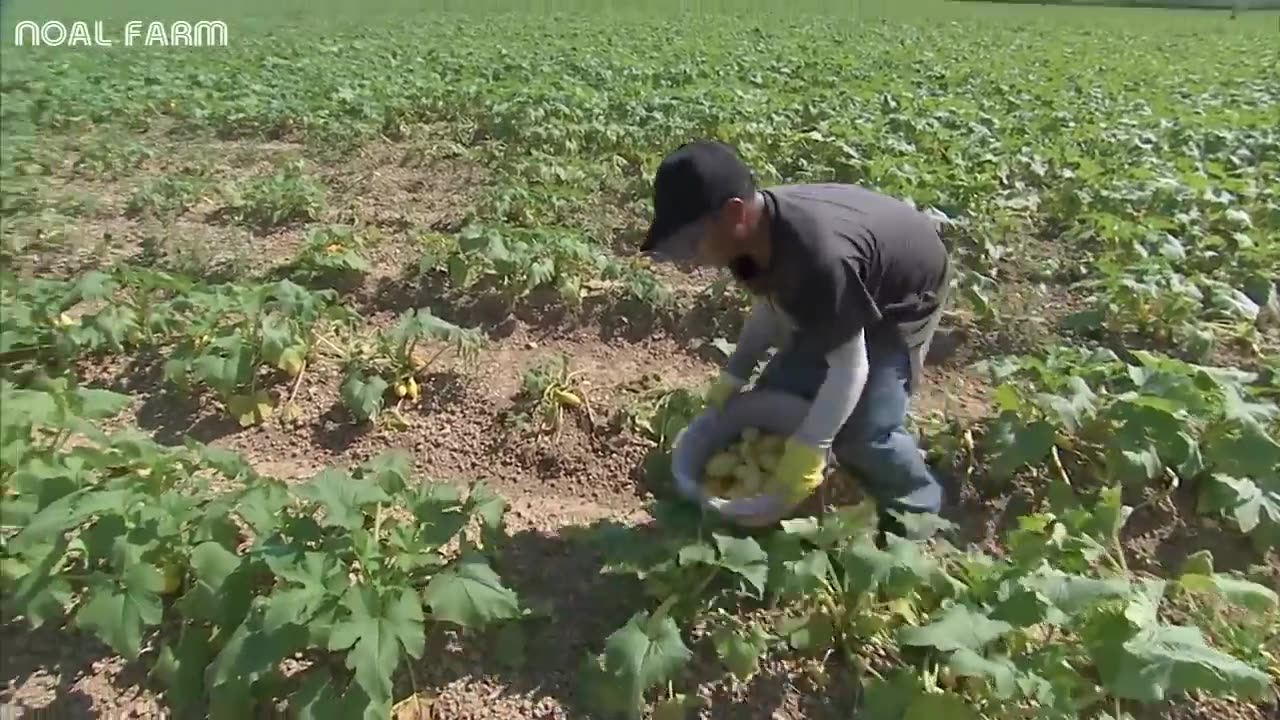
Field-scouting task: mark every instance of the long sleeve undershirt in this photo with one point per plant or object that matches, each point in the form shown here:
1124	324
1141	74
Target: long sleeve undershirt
837	396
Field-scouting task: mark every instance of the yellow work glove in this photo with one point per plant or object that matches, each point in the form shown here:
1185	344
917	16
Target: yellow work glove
724	387
798	475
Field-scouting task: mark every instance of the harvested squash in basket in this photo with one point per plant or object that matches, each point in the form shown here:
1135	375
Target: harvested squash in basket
741	469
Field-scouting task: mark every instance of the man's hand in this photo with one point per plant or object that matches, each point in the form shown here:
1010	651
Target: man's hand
798	475
724	387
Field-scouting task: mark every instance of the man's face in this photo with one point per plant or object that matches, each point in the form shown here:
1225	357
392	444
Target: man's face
723	234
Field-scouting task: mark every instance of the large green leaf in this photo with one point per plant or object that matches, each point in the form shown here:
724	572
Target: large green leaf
958	627
41	593
315	579
643	653
440	513
1244	452
1075	593
262	505
320	697
181	668
1002	673
390	470
119	613
1015	445
377	628
363	395
745	557
1255	507
807	575
470	594
99	404
251	653
1167	659
741	649
221	592
69	511
1251	595
342	497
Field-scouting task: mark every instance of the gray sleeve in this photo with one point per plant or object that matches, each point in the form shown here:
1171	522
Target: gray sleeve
847	369
763	329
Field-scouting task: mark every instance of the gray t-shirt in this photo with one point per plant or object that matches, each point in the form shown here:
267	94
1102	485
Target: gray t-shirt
847	264
847	259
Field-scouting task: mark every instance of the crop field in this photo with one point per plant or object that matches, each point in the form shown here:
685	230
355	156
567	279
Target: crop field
332	384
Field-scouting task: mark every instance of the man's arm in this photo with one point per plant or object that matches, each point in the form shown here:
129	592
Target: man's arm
847	370
762	329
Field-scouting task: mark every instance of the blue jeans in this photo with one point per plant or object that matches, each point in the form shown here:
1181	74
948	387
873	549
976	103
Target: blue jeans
873	442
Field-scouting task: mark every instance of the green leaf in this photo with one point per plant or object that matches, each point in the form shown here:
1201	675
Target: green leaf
489	505
1133	466
390	470
958	627
699	553
1024	608
97	404
931	706
441	513
644	653
342	497
1244	593
70	511
1073	594
1199	562
744	557
1000	671
741	649
321	698
1166	659
317	578
262	505
1020	445
181	669
376	630
118	613
1255	509
470	595
808	633
363	396
41	594
890	698
1248	453
1075	410
897	571
221	593
1257	416
251	653
807	575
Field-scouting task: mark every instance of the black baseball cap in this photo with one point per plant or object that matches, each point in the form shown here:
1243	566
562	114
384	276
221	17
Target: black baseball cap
691	182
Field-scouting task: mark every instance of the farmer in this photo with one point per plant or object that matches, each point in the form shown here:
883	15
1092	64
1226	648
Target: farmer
848	284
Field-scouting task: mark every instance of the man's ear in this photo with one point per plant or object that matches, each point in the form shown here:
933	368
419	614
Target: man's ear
733	212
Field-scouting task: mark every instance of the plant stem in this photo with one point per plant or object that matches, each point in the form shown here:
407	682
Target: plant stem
324	339
413	682
432	360
297	383
1057	466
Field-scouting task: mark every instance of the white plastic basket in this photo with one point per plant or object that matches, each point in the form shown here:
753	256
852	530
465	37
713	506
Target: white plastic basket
772	412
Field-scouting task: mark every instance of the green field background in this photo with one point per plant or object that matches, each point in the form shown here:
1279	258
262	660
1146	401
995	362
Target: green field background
251	16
